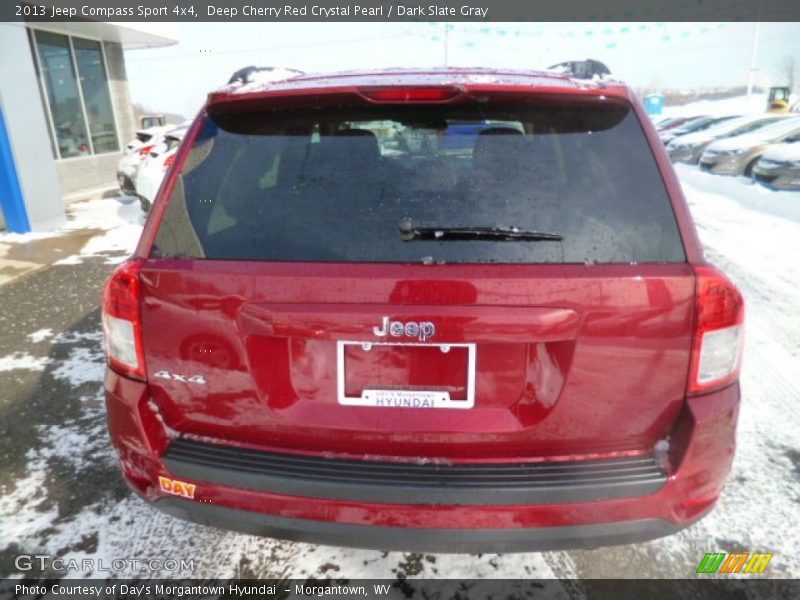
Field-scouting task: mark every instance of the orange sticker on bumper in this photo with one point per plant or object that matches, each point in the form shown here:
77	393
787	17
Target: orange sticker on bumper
176	488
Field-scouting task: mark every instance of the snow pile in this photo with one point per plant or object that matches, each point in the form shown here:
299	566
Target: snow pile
747	195
272	74
23	360
73	337
83	365
40	335
20	508
263	77
365	564
122	223
754	235
738	105
118	223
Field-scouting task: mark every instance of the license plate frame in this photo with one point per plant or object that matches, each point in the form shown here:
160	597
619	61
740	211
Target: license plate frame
378	398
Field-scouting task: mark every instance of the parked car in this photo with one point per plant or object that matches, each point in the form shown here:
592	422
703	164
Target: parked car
152	167
135	150
672	122
779	168
689	148
692	126
661	122
327	336
738	155
147	121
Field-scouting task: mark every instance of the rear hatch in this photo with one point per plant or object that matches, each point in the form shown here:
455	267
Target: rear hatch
476	278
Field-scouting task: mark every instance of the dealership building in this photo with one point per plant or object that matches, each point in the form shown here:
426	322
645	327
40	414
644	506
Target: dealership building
65	113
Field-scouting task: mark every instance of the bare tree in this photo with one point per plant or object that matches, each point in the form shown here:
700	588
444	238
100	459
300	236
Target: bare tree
788	71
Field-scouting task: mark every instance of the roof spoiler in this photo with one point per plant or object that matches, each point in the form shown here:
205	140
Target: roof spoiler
251	74
582	69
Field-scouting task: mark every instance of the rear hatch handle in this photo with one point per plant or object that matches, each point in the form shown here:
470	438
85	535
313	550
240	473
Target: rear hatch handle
410	324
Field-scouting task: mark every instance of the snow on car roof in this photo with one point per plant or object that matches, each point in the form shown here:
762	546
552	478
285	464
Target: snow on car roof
784	152
414	77
777	129
155	130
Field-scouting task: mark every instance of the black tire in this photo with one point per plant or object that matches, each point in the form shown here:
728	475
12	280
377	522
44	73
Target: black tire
748	170
126	186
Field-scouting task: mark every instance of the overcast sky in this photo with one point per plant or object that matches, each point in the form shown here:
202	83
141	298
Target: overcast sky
668	55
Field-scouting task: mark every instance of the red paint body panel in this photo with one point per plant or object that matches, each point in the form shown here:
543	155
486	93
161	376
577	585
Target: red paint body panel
573	361
597	361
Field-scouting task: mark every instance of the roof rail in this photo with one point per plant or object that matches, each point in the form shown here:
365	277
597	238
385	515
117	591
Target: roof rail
250	74
582	69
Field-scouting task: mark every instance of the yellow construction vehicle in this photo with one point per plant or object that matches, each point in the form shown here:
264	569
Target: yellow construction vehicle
779	100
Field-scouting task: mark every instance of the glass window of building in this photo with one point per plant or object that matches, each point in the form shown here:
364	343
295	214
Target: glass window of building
62	92
75	84
96	97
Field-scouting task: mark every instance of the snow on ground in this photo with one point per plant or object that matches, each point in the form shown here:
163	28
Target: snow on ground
122	222
751	196
40	335
739	105
23	360
117	219
83	365
72	337
748	232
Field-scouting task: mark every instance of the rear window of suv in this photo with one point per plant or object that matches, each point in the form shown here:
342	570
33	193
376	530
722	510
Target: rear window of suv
463	183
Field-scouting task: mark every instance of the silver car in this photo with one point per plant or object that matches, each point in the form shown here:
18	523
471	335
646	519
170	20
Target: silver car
738	155
688	148
692	126
779	168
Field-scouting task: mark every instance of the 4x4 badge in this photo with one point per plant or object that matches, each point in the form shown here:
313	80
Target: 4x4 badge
199	379
424	330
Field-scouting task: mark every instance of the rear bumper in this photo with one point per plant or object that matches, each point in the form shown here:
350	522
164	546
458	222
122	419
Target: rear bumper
419	539
689	156
782	180
723	165
413	483
700	455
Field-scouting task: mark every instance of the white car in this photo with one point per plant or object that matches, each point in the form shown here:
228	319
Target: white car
152	167
135	150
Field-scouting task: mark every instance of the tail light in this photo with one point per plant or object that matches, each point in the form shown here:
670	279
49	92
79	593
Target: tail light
404	94
719	332
122	325
168	161
145	150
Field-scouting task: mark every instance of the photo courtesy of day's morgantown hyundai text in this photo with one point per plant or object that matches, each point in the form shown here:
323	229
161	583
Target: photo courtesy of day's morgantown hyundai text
454	310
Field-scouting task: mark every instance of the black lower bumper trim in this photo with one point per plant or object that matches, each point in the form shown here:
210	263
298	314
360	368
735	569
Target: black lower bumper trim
412	483
418	539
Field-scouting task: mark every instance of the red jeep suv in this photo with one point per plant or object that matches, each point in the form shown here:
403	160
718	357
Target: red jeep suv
452	310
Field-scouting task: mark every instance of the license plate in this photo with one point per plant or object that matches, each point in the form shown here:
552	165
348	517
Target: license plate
409	395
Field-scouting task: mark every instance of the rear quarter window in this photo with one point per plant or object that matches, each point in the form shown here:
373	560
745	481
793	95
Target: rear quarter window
336	184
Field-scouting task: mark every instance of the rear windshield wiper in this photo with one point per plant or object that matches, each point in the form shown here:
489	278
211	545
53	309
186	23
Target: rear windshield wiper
497	233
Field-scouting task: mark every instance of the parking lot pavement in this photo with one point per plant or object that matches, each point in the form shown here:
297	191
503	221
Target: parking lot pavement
21	257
